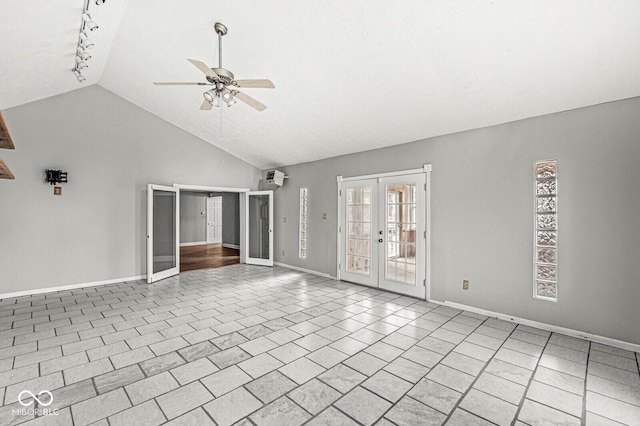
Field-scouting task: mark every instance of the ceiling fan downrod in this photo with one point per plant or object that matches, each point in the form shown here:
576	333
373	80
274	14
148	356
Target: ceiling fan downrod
221	30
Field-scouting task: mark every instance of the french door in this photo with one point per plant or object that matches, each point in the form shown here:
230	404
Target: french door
383	233
259	226
163	219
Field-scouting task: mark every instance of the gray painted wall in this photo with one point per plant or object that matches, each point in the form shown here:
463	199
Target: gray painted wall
193	224
111	149
482	215
231	218
193	217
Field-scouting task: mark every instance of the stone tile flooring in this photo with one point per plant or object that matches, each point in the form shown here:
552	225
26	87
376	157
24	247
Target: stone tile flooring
260	346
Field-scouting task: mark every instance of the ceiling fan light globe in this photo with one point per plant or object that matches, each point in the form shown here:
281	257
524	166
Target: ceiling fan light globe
216	102
231	102
210	95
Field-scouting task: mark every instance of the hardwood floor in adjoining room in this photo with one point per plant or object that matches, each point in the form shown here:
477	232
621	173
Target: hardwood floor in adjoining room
207	256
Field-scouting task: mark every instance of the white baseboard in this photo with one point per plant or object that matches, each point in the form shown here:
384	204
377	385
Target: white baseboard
308	271
231	246
196	243
68	287
548	327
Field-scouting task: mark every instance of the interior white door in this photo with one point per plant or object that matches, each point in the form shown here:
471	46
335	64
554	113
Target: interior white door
259	226
214	220
163	218
382	233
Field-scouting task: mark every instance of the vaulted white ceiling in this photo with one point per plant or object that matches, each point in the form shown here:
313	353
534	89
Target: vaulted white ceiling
349	75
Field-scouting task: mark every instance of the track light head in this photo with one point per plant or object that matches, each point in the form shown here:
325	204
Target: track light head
89	22
80	64
85	42
79	76
83	54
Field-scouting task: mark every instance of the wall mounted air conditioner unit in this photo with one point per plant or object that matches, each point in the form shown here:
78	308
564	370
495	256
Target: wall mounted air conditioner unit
275	177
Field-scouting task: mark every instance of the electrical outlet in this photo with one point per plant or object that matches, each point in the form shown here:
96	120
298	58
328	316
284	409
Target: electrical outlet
324	216
57	190
465	284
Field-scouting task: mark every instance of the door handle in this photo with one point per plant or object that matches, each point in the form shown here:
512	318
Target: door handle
380	240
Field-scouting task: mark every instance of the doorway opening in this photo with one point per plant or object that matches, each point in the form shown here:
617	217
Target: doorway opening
254	216
209	229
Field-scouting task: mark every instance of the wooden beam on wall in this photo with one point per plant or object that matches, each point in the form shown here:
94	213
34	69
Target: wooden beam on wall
5	138
5	173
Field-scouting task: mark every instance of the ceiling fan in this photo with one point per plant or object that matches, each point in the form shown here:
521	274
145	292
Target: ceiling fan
223	82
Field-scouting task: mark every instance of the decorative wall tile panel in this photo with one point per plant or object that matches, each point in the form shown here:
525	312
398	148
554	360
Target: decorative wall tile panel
546	233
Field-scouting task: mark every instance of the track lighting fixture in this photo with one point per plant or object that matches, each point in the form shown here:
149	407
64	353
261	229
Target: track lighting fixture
84	43
89	22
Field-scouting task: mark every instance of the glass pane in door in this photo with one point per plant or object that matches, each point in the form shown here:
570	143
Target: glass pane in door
259	226
400	224
164	230
359	230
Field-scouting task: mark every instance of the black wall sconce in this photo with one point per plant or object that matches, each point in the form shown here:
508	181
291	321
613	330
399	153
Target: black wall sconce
55	176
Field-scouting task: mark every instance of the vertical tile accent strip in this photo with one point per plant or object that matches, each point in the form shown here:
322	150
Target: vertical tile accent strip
545	244
302	231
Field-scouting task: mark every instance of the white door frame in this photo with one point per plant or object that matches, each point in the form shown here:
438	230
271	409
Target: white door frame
207	201
252	260
151	276
426	169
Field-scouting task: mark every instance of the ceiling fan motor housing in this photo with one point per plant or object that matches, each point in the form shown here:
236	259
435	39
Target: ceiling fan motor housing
225	76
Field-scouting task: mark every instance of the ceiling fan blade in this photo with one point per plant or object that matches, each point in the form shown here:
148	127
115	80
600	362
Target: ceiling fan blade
262	84
204	68
206	105
249	100
178	83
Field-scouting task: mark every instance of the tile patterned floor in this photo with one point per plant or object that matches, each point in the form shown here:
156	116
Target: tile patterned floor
261	346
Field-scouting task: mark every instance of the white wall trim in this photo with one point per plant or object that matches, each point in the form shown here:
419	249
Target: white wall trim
202	188
231	246
548	327
308	271
195	243
69	287
382	175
